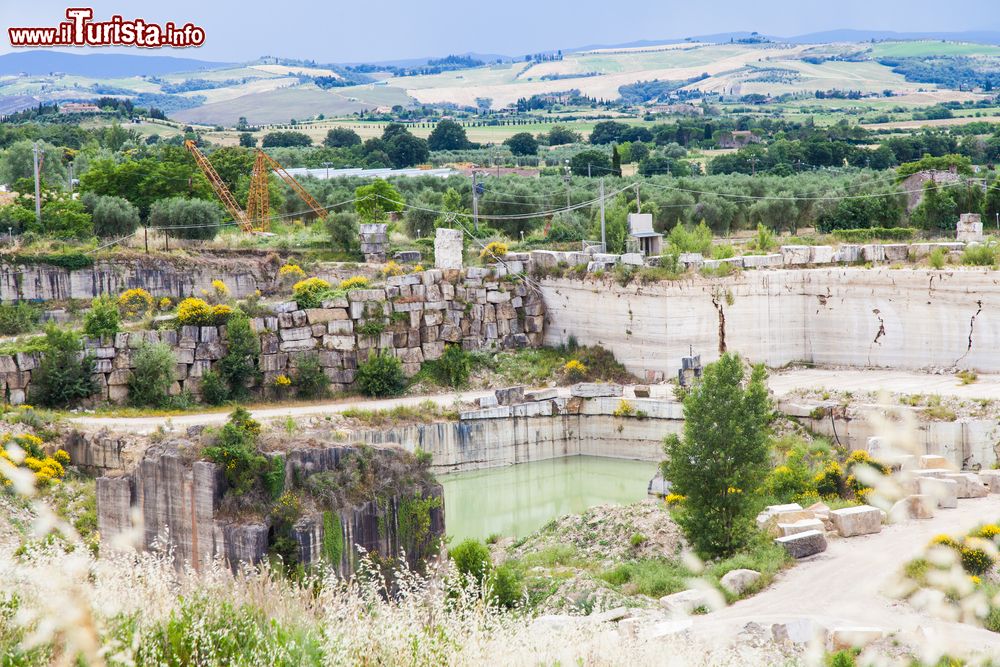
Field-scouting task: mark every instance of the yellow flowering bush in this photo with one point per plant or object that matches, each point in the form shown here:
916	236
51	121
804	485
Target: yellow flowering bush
291	271
354	282
282	381
417	269
135	302
493	249
194	312
309	293
47	469
624	409
166	303
392	269
675	499
575	370
220	288
987	531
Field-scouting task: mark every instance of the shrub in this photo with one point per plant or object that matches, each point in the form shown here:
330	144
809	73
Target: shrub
472	559
235	450
291	271
987	531
103	318
505	586
18	318
310	380
454	367
937	258
786	482
975	561
135	302
392	268
213	388
869	234
984	254
310	293
494	250
575	370
342	230
830	481
690	239
149	381
220	289
381	375
196	312
354	282
63	219
64	376
238	368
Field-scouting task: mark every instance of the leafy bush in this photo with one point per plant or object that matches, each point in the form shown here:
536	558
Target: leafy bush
494	250
135	302
63	376
310	293
186	218
309	379
15	217
103	318
505	586
453	368
213	388
830	481
937	258
149	381
238	368
235	451
472	559
381	375
18	318
112	216
342	230
975	561
196	312
354	282
690	239
62	219
984	254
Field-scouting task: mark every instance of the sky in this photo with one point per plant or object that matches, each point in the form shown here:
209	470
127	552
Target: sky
373	30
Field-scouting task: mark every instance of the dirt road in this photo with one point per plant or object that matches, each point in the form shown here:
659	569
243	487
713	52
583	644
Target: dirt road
844	586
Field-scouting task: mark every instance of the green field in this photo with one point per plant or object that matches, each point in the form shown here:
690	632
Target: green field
932	48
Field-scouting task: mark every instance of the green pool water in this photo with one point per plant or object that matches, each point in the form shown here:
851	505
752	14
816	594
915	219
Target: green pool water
516	500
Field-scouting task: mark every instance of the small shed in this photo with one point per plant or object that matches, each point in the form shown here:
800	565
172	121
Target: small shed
640	228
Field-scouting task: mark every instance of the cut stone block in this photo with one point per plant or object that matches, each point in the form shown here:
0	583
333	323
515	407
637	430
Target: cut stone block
801	526
934	461
595	390
803	545
913	507
544	395
944	491
853	521
991	478
969	485
799	631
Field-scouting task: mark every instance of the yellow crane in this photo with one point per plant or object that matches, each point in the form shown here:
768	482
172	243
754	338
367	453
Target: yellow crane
257	216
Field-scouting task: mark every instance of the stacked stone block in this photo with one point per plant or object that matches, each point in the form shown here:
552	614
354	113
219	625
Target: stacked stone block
412	318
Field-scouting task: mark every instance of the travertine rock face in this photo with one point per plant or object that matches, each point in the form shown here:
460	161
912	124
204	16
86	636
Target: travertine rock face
180	503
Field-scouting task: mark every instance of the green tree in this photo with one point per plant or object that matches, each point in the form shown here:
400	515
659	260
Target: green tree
342	228
598	162
247	140
232	163
522	143
150	379
376	199
63	219
723	456
285	139
15	218
560	134
65	375
937	209
18	162
447	135
112	216
406	150
238	368
186	218
342	137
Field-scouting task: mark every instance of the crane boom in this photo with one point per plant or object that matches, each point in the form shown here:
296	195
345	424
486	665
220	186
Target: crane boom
258	201
239	215
293	184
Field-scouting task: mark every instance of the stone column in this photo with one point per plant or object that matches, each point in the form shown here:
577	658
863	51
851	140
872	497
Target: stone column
448	248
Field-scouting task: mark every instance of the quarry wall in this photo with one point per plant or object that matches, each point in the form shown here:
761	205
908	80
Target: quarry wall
865	317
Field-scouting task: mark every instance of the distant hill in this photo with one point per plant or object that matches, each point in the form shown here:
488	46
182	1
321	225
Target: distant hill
15	103
98	65
977	36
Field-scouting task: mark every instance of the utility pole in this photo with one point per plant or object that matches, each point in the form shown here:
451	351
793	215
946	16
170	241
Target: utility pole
588	170
475	201
638	202
604	239
71	178
38	185
566	181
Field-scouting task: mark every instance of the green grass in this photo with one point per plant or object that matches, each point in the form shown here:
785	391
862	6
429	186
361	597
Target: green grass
424	413
913	49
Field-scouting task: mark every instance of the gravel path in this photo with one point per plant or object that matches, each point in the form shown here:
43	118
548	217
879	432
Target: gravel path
844	586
